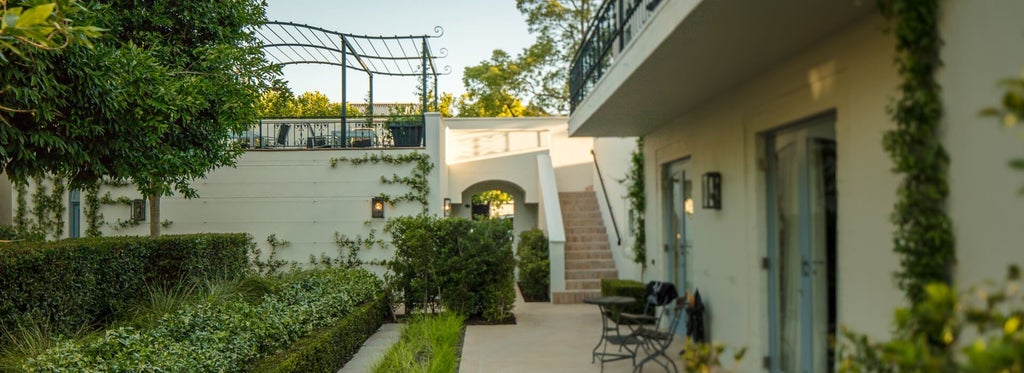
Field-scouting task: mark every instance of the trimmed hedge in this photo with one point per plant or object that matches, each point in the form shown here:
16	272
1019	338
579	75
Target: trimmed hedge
463	266
626	288
220	336
327	350
534	265
74	283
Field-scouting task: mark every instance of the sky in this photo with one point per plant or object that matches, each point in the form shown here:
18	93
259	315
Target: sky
472	30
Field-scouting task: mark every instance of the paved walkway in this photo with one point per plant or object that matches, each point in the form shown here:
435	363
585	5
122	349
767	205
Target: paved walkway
546	338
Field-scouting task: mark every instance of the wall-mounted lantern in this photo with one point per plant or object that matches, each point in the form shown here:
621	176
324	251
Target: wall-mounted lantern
139	210
712	198
447	207
377	207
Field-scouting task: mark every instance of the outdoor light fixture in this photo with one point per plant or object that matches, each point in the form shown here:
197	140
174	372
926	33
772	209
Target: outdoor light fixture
139	210
377	207
447	207
712	198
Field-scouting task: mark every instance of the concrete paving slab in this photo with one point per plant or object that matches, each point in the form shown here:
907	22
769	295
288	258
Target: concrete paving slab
373	349
546	338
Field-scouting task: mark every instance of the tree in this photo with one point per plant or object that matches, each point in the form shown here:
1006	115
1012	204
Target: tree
496	88
535	81
280	103
216	71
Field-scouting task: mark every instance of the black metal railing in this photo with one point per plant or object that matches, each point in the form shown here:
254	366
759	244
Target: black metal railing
401	131
615	24
607	201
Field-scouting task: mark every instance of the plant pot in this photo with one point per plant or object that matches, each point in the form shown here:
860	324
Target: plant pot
407	134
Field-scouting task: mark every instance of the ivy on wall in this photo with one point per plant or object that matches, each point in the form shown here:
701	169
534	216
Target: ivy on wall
637	202
47	212
93	216
419	185
924	236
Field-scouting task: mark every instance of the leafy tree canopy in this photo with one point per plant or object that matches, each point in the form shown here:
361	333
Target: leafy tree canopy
281	103
535	81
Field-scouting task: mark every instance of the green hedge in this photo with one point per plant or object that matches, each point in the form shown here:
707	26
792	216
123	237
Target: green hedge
327	350
74	283
220	336
626	288
534	265
464	266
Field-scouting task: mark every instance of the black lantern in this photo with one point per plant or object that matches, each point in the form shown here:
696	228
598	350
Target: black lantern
139	210
712	182
377	207
447	207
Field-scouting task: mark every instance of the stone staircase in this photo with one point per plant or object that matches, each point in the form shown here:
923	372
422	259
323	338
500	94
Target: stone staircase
588	258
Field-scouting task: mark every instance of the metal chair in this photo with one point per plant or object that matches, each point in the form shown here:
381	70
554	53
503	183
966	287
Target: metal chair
654	330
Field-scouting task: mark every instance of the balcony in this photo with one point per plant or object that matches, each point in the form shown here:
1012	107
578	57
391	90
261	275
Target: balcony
645	63
366	132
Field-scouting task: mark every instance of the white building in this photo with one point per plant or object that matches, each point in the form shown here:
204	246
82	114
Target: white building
786	101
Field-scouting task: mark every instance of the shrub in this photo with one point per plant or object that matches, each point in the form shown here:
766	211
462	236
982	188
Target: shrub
328	349
625	288
927	334
428	344
222	336
74	283
462	265
534	265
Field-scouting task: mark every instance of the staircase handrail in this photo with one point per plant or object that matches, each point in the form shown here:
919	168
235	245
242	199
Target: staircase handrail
607	201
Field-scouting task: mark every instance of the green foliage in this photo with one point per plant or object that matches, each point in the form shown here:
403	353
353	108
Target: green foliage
706	357
36	25
1011	111
924	236
71	283
280	103
626	288
428	344
47	212
927	333
349	248
417	181
462	265
637	203
534	265
8	232
497	88
492	198
220	336
91	210
328	349
271	265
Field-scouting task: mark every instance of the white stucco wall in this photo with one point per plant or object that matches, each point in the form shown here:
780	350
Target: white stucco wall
6	200
613	156
851	73
982	46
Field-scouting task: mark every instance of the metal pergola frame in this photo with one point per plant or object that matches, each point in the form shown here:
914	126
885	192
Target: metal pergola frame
289	43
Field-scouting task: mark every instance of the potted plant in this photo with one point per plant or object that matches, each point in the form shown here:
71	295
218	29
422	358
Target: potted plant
405	127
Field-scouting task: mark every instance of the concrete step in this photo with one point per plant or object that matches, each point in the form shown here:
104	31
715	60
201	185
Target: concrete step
586	246
584	230
594	284
589	264
571	223
590	274
573	296
590	237
581	215
587	254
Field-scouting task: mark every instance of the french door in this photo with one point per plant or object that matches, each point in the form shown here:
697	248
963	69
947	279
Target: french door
678	206
802	213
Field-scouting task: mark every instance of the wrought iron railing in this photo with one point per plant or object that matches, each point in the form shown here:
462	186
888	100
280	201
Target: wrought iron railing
615	24
394	131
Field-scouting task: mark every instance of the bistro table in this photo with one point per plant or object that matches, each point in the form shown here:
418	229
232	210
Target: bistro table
608	326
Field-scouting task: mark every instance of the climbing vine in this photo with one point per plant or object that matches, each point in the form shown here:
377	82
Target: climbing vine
349	248
417	181
93	216
637	202
924	236
47	212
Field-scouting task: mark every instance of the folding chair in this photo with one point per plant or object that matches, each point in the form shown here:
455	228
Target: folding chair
654	330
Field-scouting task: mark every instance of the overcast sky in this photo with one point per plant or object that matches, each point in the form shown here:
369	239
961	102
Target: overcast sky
472	29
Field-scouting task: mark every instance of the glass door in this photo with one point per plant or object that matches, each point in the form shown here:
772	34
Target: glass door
802	215
678	192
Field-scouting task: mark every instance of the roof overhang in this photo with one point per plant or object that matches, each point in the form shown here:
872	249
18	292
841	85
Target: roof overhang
691	51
